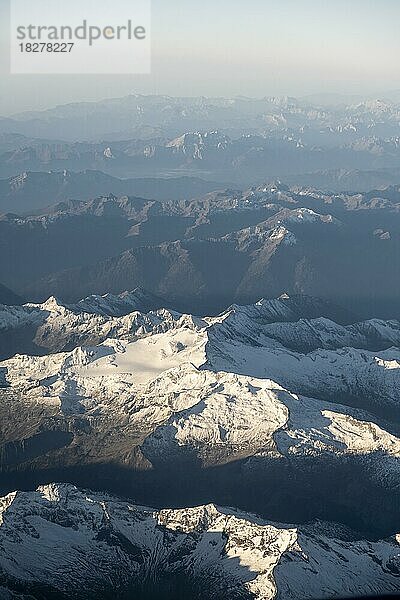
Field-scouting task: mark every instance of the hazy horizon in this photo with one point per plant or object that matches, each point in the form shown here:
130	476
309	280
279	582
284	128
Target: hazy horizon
331	99
279	48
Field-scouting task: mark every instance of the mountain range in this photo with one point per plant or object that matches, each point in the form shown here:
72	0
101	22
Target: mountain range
203	254
31	191
207	552
232	404
239	140
199	349
287	409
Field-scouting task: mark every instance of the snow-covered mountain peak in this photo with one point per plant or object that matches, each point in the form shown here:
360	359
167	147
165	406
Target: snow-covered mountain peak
122	304
52	304
306	215
249	408
45	535
282	234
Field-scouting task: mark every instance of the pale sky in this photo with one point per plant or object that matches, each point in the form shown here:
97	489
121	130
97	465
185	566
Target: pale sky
239	47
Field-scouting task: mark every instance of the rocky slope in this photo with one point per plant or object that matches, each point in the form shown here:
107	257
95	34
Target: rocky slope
8	297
